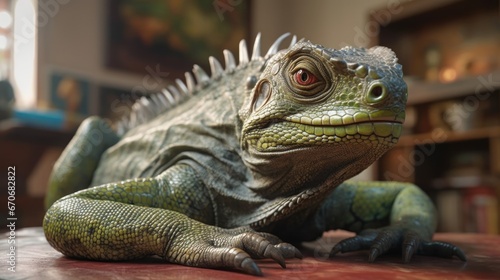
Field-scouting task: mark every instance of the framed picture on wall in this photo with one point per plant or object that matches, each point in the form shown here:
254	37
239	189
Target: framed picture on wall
70	93
170	35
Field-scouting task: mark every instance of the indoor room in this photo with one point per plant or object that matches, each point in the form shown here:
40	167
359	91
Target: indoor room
227	139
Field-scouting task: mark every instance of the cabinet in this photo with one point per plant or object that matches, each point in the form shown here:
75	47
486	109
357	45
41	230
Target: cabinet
31	152
450	52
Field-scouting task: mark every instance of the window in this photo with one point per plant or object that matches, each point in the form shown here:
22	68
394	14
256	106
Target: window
5	38
18	33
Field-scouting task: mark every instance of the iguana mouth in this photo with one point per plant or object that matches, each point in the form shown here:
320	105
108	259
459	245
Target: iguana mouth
378	128
306	135
379	123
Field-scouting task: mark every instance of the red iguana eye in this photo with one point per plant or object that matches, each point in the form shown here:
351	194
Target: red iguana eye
304	77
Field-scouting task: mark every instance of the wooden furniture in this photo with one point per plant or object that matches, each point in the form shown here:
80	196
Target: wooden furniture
35	259
450	52
26	148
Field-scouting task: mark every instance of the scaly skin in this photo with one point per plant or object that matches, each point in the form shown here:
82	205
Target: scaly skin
257	154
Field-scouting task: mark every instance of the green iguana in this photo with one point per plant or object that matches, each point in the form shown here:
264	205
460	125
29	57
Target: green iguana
216	172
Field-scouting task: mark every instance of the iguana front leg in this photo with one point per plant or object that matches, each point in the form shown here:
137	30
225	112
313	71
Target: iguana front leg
385	216
75	168
137	218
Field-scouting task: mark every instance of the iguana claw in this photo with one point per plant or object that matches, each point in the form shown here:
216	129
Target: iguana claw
260	247
380	241
356	243
249	266
410	245
239	251
442	249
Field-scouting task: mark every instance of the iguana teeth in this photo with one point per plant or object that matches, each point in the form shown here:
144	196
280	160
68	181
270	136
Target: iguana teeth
243	52
191	85
275	46
256	48
215	67
200	74
229	60
182	87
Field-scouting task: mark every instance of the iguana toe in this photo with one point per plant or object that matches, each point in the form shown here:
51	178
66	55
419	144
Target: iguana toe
380	241
239	259
442	249
356	243
410	245
238	251
260	247
289	251
374	253
249	266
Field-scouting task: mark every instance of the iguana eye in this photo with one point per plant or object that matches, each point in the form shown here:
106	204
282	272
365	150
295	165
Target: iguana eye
308	78
304	77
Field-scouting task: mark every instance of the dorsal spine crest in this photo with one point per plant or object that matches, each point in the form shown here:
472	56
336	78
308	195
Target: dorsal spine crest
147	108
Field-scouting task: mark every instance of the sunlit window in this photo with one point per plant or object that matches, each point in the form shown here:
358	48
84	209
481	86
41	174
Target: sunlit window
4	42
23	70
18	48
5	19
5	38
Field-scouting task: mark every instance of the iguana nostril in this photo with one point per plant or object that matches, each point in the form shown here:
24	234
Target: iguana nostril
376	93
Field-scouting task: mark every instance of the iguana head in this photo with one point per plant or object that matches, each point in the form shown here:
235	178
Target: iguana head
322	113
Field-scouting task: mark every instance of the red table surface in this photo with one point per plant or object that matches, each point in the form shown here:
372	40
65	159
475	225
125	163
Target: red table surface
35	259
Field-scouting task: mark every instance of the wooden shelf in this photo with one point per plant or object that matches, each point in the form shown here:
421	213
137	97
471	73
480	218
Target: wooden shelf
431	37
443	136
425	92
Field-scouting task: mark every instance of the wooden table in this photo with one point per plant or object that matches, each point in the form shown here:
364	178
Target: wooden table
35	259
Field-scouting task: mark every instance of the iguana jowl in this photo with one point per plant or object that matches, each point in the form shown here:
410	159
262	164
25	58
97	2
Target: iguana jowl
216	172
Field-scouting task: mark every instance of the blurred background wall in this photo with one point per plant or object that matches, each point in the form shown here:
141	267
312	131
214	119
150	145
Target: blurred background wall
74	39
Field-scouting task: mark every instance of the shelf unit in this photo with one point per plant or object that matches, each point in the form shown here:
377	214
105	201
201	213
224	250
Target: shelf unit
451	141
